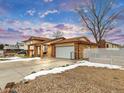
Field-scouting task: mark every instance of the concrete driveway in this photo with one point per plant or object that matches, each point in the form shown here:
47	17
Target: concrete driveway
16	71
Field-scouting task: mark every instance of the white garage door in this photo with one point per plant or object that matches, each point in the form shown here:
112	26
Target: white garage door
65	52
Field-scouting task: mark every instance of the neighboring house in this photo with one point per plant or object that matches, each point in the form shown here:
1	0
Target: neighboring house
71	48
18	48
21	45
10	50
112	45
106	44
10	47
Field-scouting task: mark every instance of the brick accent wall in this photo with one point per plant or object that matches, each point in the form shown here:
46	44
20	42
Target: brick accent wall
49	51
79	48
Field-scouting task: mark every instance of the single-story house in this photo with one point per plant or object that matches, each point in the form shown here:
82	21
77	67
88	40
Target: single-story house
71	48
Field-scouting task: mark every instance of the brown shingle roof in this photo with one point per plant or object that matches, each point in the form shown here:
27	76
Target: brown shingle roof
83	39
54	40
76	39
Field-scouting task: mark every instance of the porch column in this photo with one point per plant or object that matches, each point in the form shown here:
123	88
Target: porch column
41	51
49	51
35	51
28	51
53	53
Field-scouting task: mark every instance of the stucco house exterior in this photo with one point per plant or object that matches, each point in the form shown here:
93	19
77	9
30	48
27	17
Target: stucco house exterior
35	46
71	48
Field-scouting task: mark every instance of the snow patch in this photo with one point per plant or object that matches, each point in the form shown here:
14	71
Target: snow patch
18	59
10	58
62	69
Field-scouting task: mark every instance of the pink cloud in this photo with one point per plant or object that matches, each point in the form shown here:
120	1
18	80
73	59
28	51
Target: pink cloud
63	27
1	30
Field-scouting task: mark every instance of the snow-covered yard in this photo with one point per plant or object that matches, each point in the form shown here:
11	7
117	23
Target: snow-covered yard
78	64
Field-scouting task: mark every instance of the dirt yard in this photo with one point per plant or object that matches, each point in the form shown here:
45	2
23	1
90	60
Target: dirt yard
79	80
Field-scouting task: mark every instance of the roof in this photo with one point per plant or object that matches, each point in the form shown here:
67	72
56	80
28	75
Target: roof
52	41
61	40
113	43
83	39
37	38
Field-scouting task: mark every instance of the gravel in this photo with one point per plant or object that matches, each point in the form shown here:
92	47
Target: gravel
78	80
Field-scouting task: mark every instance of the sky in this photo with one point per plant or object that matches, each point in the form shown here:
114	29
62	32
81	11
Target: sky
20	19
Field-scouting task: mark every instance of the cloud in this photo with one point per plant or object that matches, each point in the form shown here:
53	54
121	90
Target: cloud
20	30
29	28
114	35
48	1
16	24
47	13
16	30
10	35
31	12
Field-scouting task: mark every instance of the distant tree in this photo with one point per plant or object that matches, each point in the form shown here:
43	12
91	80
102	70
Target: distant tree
1	46
98	16
57	34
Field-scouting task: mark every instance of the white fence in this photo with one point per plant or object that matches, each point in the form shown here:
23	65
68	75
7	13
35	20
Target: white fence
108	56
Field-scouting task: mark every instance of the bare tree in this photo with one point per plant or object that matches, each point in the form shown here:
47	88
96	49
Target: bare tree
98	16
57	34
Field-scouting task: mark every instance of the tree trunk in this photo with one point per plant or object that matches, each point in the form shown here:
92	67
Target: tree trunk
101	44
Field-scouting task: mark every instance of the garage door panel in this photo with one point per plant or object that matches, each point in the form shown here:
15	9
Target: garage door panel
64	51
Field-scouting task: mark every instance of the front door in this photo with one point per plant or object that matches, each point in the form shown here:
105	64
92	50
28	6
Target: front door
38	51
45	50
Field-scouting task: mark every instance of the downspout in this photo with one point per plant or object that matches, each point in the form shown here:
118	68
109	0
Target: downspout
78	50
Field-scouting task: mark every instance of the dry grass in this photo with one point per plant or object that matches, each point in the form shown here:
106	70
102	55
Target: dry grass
78	80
